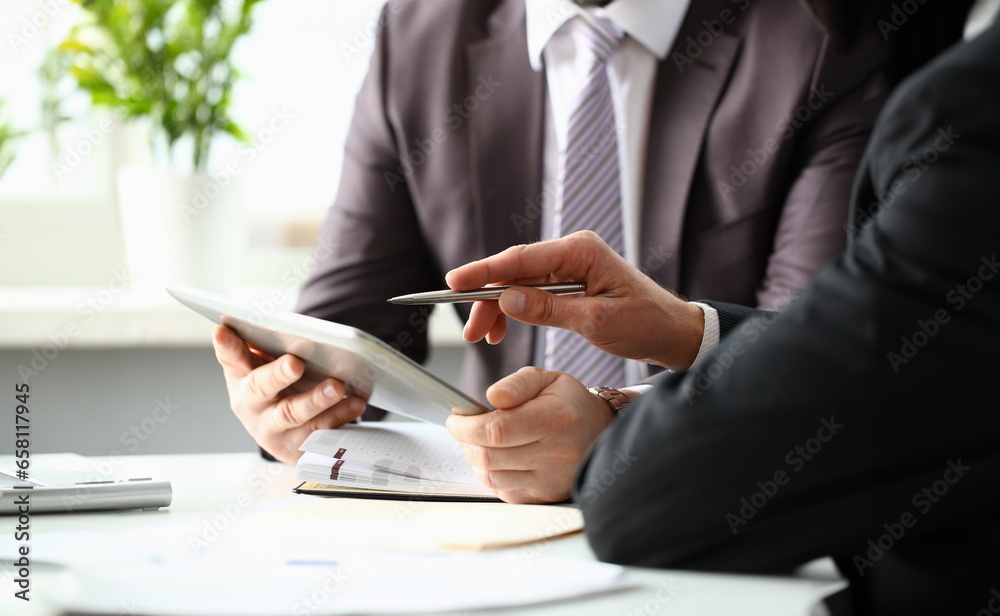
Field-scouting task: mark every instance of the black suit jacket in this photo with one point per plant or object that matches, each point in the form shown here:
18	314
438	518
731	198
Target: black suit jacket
863	421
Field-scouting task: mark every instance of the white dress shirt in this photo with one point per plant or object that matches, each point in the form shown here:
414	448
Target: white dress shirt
981	17
650	27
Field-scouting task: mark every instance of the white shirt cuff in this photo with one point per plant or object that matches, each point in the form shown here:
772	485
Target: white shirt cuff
640	388
710	339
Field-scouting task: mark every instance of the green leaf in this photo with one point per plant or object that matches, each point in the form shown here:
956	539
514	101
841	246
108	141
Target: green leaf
165	60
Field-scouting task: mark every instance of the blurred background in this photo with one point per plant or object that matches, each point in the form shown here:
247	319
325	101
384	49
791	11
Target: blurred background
151	141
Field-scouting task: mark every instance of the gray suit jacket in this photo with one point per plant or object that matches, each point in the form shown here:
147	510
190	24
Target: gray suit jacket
756	131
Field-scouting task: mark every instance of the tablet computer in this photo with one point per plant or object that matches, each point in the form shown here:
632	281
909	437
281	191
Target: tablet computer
368	367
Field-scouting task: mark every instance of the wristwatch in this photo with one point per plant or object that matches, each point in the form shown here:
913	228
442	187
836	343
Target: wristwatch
615	399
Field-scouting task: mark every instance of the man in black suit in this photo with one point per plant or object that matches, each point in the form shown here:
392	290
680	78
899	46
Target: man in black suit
860	423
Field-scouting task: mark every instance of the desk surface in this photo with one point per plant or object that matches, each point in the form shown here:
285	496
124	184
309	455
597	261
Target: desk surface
257	482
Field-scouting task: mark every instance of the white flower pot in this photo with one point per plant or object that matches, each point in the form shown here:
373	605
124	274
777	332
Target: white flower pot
188	229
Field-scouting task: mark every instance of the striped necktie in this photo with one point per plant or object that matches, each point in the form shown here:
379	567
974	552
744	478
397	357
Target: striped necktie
591	192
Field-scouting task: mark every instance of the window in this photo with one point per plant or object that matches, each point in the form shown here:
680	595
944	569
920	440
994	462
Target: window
303	62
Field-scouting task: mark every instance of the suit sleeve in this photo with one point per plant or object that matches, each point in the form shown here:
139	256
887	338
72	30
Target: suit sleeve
731	315
861	421
811	227
371	247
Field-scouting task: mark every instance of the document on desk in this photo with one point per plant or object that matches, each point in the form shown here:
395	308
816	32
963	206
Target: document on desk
302	580
388	460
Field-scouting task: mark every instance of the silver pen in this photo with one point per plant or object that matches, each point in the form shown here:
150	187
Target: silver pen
486	293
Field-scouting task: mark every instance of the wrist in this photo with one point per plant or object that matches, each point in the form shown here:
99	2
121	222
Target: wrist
683	339
616	400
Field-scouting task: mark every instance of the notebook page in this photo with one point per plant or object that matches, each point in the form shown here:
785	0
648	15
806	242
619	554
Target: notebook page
324	469
413	449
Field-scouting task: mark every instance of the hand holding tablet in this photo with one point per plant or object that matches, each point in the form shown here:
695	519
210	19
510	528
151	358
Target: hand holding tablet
361	366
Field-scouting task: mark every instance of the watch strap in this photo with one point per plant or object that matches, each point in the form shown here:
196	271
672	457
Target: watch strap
616	399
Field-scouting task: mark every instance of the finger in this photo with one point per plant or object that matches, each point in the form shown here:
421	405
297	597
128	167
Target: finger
482	318
284	444
521	486
298	409
232	353
344	412
498	331
503	480
498	428
572	312
520	387
524	458
265	383
261	355
571	257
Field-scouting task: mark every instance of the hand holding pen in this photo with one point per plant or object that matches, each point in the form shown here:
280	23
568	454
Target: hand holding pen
621	310
450	296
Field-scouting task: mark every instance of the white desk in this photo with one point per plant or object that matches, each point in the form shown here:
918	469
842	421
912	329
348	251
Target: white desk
259	482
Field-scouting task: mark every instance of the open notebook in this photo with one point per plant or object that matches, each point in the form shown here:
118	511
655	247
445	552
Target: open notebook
403	460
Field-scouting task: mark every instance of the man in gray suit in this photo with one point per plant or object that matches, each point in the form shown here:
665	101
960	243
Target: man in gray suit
739	126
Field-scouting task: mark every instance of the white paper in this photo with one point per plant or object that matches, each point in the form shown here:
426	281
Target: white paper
300	581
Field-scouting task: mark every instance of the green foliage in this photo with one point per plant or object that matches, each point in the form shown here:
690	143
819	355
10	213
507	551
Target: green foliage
162	59
7	136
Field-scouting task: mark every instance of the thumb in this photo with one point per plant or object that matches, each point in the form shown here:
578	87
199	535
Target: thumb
520	387
537	307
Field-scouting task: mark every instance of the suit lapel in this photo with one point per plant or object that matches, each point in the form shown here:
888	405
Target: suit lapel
506	134
686	93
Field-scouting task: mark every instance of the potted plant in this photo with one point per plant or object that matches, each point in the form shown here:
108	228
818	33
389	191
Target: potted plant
7	136
169	64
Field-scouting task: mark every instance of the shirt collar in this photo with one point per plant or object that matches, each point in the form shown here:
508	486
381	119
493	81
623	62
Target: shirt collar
653	23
